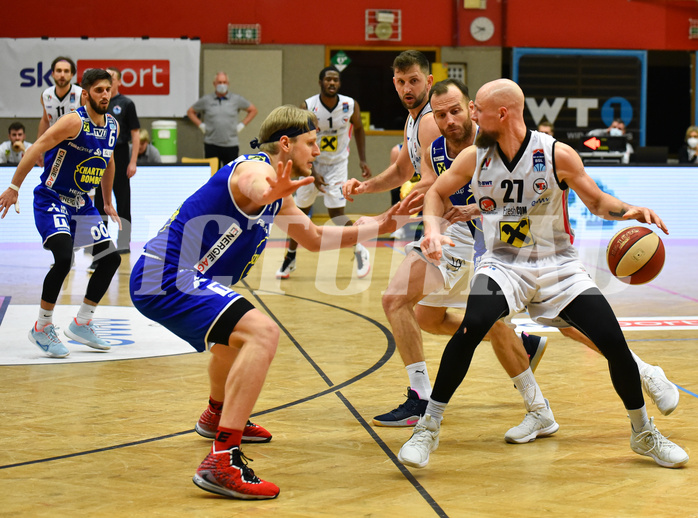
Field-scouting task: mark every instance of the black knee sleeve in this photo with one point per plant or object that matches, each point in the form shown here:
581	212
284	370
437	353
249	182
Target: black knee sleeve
591	314
486	305
61	246
107	266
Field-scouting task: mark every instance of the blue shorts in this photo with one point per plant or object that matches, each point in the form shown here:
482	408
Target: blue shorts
76	216
182	300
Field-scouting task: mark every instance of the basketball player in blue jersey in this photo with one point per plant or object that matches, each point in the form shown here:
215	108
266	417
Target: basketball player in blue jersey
78	157
211	242
520	180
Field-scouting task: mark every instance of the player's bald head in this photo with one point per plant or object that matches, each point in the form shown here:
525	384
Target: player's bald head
503	92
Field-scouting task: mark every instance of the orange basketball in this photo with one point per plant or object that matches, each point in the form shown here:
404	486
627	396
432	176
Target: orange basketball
635	255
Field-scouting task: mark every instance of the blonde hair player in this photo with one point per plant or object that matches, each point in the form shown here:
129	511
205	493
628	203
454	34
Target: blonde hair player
230	218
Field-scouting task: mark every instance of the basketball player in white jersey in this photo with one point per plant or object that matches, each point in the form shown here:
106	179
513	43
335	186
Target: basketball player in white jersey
63	97
421	293
521	180
412	82
337	115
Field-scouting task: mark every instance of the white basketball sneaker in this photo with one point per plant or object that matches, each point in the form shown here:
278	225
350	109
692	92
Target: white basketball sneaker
424	440
651	443
539	423
86	334
659	389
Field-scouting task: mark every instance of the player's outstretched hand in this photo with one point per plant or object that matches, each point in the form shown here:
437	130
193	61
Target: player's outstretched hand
7	199
400	213
352	186
409	205
396	216
283	185
645	215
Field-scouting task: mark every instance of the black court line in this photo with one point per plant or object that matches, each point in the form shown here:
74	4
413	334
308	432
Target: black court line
97	450
335	388
390	350
405	472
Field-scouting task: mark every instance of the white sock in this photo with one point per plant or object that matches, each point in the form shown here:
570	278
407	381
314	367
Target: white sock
638	418
45	318
419	379
358	247
528	387
436	410
640	364
85	313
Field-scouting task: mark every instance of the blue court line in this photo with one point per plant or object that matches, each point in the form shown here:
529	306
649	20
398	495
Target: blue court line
686	391
3	306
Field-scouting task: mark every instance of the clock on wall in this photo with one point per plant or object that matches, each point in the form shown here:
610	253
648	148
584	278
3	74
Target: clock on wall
482	28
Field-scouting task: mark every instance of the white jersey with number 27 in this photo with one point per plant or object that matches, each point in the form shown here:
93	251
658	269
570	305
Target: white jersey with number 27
524	207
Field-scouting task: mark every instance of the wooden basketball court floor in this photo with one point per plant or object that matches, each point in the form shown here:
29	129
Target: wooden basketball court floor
115	438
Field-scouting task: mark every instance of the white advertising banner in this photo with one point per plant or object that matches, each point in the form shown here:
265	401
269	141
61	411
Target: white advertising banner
160	75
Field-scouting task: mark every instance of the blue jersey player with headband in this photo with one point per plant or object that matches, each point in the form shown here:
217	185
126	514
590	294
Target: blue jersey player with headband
211	242
78	156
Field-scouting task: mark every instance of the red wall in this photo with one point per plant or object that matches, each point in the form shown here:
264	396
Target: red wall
621	24
607	24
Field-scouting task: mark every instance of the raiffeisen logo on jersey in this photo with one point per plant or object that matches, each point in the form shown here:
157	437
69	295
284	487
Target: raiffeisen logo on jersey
138	76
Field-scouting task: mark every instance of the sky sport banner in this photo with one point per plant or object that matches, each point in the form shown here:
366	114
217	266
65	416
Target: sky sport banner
160	75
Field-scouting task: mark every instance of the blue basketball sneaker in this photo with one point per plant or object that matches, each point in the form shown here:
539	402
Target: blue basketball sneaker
85	334
535	348
47	340
407	414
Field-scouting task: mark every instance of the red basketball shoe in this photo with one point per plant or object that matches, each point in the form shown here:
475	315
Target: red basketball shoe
207	426
226	473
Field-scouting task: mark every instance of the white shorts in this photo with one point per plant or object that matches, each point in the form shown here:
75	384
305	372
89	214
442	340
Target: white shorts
546	286
456	267
334	176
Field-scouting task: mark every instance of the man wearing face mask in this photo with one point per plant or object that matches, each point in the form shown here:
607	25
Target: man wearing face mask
216	115
616	129
689	151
